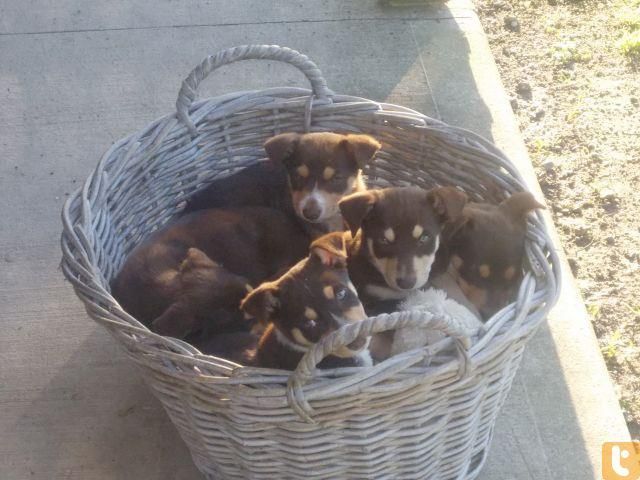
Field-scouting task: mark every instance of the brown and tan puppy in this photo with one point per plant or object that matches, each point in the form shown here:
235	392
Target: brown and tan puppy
306	175
395	235
177	278
314	298
484	249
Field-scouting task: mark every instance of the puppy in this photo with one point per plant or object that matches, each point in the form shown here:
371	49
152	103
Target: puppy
178	280
314	298
483	251
306	176
395	233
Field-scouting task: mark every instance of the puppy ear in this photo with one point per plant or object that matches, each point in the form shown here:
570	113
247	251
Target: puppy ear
196	258
262	302
461	224
330	249
176	321
362	148
448	202
518	205
282	146
355	207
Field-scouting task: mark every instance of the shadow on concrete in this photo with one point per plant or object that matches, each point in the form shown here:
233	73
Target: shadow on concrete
99	398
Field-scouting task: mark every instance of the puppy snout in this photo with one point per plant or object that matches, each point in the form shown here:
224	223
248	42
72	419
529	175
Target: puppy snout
311	210
406	281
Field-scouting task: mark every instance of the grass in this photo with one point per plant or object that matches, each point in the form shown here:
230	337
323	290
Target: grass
567	52
635	309
540	145
594	310
628	18
629	44
610	349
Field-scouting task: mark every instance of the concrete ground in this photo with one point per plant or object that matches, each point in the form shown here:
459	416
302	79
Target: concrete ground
75	76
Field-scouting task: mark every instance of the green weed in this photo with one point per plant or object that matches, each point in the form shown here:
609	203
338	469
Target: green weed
568	52
610	350
594	310
629	44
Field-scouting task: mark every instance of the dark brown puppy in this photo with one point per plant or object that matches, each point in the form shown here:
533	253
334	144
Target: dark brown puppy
314	298
306	176
177	278
484	249
395	235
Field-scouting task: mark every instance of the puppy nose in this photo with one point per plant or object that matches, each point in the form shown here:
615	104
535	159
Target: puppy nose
311	210
406	282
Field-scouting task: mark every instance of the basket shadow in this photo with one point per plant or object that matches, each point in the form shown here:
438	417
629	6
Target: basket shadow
538	434
98	398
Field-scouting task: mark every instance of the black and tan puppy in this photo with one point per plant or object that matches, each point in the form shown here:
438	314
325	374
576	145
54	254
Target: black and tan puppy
395	235
314	298
176	279
483	250
306	176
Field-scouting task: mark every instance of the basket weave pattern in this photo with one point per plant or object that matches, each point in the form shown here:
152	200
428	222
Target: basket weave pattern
427	414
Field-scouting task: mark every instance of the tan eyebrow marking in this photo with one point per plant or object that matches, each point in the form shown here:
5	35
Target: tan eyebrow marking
300	338
354	314
485	270
303	171
417	231
509	272
310	313
328	292
328	173
389	234
456	261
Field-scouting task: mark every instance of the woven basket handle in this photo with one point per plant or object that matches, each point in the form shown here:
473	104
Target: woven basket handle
347	334
188	92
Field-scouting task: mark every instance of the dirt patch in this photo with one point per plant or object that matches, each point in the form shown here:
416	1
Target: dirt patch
572	70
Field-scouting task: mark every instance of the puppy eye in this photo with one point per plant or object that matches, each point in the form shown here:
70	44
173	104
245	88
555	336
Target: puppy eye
424	238
341	293
384	241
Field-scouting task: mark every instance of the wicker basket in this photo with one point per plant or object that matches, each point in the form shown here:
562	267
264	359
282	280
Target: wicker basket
427	414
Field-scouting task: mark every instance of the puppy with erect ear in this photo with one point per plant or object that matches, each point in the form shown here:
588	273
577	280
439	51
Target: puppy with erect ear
395	235
485	250
306	175
314	298
322	168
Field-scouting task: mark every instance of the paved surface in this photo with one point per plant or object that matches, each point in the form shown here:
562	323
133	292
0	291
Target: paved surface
75	76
